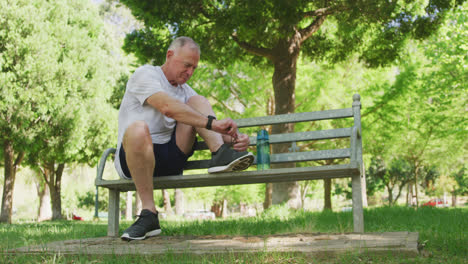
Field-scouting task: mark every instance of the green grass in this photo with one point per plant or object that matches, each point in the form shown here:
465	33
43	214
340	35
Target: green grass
445	232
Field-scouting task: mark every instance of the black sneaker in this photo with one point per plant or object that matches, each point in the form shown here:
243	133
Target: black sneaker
147	225
227	159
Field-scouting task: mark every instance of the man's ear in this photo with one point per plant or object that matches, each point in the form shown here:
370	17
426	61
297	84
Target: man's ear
169	54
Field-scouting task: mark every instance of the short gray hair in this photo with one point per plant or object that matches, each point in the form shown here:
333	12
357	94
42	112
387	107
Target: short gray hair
181	42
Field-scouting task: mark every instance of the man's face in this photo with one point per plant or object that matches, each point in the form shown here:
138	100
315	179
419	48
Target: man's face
181	65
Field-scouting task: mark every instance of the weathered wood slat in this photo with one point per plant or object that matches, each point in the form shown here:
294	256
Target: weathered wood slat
326	246
311	155
297	136
286	157
243	177
295	117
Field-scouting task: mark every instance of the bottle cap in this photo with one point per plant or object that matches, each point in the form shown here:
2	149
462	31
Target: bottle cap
262	134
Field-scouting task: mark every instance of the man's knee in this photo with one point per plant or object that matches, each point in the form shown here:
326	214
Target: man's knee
198	100
137	135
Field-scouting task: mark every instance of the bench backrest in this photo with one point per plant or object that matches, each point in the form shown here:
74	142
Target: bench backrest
351	153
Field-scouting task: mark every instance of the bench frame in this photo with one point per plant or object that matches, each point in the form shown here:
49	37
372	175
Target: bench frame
354	169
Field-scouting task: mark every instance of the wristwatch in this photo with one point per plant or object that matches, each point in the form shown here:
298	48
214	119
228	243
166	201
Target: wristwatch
210	120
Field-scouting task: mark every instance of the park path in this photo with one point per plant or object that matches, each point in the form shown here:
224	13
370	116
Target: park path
394	242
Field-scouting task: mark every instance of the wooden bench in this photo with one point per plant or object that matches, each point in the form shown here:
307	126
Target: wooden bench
353	168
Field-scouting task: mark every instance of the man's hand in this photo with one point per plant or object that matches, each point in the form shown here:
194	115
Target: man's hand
241	143
225	126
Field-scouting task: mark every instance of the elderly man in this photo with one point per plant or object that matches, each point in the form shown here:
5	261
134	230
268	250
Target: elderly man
159	118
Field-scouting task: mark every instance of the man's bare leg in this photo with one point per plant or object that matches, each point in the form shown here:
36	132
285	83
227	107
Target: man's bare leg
140	160
224	160
185	135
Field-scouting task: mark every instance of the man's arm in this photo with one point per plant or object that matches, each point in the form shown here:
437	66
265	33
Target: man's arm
183	113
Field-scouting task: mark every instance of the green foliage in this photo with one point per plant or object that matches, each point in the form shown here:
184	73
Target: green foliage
59	62
419	117
57	67
461	177
235	194
374	33
376	29
119	90
277	211
87	200
229	89
429	177
377	178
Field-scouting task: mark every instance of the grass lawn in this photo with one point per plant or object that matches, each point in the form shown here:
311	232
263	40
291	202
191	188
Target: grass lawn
443	230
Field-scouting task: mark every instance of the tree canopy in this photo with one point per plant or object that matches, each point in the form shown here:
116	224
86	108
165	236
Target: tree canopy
275	33
232	30
58	66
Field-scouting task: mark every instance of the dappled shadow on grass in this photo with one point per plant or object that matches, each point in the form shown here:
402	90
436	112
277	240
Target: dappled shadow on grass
295	222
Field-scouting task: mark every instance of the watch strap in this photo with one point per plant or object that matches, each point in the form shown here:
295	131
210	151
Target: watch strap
210	121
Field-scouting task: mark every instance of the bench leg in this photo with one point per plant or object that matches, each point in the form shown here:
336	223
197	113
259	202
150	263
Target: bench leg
113	216
358	214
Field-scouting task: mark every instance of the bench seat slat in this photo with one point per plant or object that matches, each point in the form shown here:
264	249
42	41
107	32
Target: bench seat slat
294	117
243	177
297	136
286	157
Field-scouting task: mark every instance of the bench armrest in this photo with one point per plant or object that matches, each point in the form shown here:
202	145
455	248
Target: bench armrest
102	163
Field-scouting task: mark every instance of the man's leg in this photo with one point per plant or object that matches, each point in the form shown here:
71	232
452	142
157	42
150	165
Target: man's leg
185	134
224	158
140	161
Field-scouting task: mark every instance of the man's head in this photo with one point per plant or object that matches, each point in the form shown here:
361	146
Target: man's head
181	60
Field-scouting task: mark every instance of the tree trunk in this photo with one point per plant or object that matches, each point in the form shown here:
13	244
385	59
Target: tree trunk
408	194
416	186
327	194
224	213
56	191
128	206
167	202
45	210
216	208
53	179
390	195
284	85
268	194
270	110
400	190
179	202
304	191
454	199
10	168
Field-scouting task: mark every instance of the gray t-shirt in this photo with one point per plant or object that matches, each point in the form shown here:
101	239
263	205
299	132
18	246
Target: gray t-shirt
146	81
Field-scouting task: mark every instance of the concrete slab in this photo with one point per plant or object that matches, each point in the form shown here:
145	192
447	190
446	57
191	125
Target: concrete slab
396	242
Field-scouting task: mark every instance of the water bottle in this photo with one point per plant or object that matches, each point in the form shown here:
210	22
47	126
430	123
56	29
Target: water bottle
263	150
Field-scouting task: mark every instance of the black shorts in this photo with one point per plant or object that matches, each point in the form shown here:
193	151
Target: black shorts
170	160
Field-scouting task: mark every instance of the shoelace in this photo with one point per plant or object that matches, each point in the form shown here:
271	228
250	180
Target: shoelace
138	219
233	141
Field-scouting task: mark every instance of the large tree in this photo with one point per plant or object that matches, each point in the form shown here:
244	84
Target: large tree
274	33
420	118
21	56
58	66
